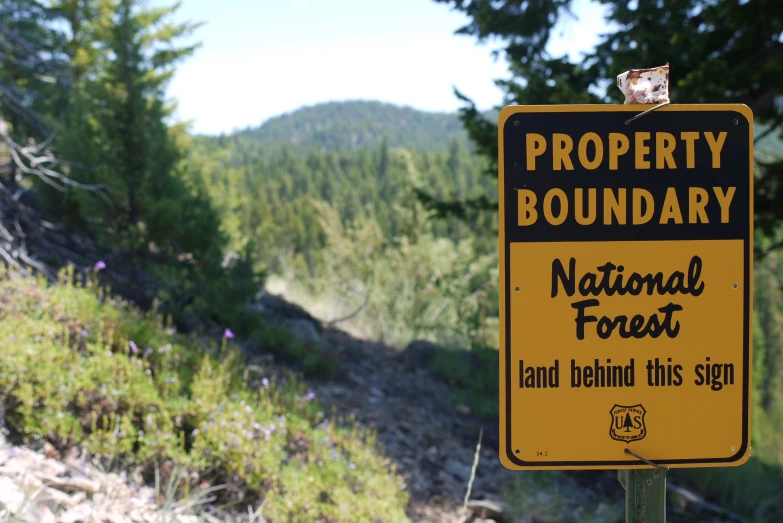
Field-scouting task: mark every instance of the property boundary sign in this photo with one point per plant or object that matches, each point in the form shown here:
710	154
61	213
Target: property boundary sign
625	268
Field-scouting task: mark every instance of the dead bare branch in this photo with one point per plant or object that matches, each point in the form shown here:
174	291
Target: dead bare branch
27	162
10	260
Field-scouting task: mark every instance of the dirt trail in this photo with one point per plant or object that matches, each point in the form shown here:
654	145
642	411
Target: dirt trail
418	425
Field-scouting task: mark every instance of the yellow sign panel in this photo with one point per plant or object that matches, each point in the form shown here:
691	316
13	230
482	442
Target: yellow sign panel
625	286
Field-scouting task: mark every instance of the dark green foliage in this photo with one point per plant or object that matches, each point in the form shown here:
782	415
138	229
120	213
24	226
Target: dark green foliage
719	51
267	193
33	69
373	247
336	126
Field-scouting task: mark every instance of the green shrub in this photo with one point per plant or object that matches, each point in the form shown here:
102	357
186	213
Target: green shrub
276	338
473	376
76	371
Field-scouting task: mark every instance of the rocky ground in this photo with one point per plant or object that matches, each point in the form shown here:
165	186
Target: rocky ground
37	487
432	442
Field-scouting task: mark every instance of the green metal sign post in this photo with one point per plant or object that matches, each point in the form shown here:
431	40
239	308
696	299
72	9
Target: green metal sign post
645	495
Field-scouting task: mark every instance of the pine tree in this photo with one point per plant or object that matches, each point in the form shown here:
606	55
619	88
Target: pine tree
117	129
719	51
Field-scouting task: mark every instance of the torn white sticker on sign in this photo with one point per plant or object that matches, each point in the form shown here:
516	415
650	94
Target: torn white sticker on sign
645	86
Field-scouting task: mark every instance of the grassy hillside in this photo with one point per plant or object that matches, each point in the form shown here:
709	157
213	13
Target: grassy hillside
360	125
114	381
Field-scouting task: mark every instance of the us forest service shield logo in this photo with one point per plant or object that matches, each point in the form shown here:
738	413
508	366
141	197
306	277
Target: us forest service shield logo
628	423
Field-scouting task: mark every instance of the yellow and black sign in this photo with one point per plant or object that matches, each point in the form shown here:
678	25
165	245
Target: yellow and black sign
625	285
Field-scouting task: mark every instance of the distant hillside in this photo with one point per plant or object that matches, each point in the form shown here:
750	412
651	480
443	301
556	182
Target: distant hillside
360	125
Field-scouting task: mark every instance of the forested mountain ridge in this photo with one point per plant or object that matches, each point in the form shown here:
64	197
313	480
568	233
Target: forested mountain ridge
360	124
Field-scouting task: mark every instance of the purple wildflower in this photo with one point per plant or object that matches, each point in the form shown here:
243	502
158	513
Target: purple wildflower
100	265
265	382
148	351
133	347
84	333
352	466
310	396
283	380
228	334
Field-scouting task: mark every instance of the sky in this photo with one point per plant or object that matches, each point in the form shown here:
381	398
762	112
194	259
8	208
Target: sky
263	58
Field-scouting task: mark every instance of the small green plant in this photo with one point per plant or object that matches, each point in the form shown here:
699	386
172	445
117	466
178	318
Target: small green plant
104	376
